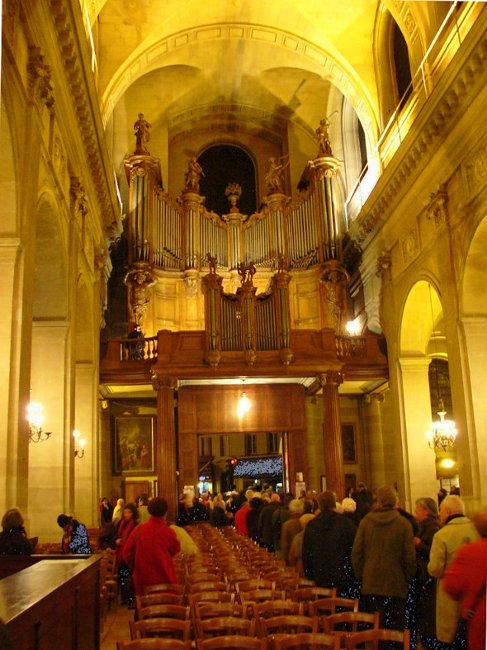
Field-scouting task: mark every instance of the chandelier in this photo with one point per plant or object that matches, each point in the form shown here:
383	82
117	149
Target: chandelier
35	417
443	433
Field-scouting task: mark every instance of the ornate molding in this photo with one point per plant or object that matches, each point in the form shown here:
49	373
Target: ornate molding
436	207
79	201
410	245
40	79
475	172
384	265
85	104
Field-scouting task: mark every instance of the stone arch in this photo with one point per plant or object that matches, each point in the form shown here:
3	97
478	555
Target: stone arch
473	323
310	56
421	313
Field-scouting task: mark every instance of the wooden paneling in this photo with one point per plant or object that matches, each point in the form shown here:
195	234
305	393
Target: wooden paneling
213	409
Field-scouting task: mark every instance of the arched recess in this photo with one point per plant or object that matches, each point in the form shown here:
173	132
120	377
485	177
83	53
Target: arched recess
421	316
49	461
387	31
473	315
85	401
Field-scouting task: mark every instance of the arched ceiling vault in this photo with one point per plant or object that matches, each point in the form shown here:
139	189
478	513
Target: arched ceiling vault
244	51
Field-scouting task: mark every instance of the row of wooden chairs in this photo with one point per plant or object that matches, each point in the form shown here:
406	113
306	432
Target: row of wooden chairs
297	641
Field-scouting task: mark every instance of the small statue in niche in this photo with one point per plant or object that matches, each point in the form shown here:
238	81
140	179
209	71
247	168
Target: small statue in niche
192	176
142	134
324	144
273	177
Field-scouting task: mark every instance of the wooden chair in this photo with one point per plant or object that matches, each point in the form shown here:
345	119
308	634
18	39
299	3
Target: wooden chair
161	611
234	642
223	626
305	641
171	628
346	623
154	644
287	624
307	594
400	637
162	598
327	606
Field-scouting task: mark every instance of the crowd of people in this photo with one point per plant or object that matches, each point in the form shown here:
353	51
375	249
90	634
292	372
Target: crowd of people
425	572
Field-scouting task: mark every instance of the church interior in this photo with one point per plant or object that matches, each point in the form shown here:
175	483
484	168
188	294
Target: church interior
241	242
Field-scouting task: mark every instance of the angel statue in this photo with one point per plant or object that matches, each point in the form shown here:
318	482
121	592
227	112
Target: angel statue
273	177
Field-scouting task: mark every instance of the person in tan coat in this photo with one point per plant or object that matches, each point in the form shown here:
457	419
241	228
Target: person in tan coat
457	529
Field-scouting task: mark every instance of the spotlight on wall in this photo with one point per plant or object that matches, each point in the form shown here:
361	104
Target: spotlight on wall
243	406
35	417
79	444
353	327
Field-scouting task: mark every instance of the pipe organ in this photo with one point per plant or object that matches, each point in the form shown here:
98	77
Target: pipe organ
178	235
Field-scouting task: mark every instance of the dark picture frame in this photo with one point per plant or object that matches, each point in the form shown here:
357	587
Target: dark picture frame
133	445
349	443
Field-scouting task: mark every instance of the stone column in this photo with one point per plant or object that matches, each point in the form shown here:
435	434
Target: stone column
332	434
419	460
375	457
165	443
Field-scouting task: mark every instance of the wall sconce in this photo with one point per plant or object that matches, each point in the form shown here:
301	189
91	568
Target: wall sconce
78	441
35	417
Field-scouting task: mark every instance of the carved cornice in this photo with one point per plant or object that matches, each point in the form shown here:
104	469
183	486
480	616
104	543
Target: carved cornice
432	130
85	103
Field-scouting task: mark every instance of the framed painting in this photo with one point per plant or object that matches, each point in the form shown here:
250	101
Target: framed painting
133	448
348	443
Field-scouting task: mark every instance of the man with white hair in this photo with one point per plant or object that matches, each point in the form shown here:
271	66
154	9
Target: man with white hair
456	530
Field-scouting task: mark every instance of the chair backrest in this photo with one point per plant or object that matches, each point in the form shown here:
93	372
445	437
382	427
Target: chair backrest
172	628
154	644
224	626
252	584
287	624
209	585
327	606
164	587
313	593
235	642
349	622
401	637
211	596
306	640
204	609
270	608
162	598
163	611
260	595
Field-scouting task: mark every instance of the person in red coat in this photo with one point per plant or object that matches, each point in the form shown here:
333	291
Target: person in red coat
465	580
152	546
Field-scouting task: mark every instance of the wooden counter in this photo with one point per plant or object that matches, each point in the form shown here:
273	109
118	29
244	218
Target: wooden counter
53	604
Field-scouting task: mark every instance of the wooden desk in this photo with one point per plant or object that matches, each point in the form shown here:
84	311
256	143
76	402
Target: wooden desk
53	604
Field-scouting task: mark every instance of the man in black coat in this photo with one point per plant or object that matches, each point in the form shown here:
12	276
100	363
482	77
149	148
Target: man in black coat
327	547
